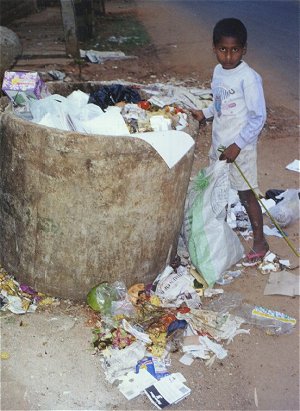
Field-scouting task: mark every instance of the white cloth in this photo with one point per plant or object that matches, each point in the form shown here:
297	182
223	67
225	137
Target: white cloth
238	107
247	162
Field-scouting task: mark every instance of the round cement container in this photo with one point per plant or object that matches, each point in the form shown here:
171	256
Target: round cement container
76	209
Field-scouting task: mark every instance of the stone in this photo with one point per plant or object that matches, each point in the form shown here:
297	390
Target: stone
10	49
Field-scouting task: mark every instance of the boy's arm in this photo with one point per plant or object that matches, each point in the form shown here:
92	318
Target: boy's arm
255	102
200	115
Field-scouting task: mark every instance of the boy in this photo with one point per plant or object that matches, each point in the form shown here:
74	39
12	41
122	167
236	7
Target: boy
239	114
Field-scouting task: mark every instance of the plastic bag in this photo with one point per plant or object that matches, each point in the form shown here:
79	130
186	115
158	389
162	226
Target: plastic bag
212	245
112	94
274	322
102	296
287	210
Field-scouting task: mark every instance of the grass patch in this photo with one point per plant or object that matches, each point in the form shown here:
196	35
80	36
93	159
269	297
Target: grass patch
121	31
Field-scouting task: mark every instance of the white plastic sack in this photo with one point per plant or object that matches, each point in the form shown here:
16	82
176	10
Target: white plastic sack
77	99
287	210
213	246
110	123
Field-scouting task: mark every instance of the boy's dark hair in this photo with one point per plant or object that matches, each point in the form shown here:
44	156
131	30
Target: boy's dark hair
230	27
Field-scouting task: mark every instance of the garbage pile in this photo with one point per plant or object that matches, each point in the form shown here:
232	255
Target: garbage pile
139	329
20	298
113	109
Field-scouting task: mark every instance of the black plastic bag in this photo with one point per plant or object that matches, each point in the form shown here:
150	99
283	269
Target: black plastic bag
112	94
273	193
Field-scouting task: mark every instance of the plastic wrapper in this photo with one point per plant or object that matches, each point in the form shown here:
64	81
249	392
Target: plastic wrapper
110	299
111	94
225	303
288	209
274	322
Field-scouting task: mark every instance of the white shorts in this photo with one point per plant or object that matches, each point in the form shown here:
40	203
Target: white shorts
247	161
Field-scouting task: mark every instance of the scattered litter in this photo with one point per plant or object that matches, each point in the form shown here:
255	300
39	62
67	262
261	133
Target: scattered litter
266	267
209	292
187	359
176	287
273	194
285	263
287	210
109	95
263	312
100	57
154	365
110	299
167	391
133	384
167	95
22	87
4	355
282	283
270	263
294	166
270	257
268	203
20	298
17	305
121	39
218	326
228	277
225	303
139	335
271	231
274	322
57	75
255	398
118	362
202	346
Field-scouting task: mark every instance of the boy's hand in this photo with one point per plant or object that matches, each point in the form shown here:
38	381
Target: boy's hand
230	153
197	114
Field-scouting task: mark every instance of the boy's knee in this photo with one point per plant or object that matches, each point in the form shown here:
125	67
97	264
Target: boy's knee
245	196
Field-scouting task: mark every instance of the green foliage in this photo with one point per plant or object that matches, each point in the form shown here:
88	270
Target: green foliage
125	27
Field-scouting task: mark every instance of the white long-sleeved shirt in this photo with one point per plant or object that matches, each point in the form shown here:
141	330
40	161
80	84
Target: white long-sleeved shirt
238	106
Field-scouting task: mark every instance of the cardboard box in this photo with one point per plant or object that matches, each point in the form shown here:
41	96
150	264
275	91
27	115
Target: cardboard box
23	86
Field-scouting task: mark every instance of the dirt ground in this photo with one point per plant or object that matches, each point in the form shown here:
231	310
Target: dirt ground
51	365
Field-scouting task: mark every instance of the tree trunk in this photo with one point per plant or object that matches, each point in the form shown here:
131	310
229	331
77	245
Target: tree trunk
69	23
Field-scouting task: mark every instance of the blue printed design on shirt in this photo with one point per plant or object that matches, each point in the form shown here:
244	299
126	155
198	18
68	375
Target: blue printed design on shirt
220	94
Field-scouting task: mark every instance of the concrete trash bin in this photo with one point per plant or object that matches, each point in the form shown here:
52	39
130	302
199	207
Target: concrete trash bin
76	209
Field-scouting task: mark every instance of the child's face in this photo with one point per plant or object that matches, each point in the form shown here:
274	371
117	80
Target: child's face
229	52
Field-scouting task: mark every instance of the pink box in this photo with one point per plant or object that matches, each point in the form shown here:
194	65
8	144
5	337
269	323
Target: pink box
23	86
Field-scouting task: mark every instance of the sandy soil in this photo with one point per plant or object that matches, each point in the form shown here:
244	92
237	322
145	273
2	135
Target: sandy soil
51	364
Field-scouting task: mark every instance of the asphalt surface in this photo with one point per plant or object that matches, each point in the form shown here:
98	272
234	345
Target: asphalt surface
273	36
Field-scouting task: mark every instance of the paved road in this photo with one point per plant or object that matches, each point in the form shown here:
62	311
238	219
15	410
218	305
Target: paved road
273	35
